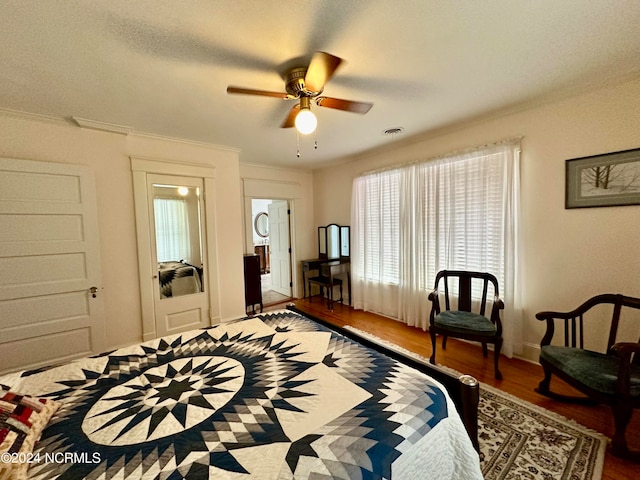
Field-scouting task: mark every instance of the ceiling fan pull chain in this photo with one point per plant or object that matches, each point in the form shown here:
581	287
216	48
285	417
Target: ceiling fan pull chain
297	144
315	140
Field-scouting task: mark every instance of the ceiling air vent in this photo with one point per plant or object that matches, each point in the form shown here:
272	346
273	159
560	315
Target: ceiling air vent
392	132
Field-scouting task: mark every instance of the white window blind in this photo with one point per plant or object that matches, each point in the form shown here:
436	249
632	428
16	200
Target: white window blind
379	242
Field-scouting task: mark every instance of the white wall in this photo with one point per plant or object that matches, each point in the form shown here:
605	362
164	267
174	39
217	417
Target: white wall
108	155
568	255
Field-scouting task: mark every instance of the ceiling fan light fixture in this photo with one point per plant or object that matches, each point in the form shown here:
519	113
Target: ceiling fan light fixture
306	122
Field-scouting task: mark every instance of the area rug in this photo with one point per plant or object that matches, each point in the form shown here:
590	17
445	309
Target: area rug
519	440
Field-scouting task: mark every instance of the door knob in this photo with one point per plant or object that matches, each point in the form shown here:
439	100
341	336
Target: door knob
93	291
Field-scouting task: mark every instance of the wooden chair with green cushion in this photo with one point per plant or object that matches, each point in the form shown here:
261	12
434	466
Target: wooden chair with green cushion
467	320
611	378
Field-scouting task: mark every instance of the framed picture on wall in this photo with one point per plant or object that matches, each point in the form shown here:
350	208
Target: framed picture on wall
606	180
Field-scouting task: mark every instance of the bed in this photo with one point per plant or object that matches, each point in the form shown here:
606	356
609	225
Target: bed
275	396
178	278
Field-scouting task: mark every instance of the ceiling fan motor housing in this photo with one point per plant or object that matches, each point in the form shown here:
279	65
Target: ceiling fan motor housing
294	83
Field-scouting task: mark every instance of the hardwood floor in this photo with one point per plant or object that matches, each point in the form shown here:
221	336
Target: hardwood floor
520	377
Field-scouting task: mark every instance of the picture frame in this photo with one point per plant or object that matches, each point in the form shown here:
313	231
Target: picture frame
606	180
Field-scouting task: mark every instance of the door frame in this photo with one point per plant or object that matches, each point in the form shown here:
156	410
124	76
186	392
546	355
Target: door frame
141	169
270	189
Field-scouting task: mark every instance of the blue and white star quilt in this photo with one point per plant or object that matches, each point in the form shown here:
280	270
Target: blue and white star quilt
276	396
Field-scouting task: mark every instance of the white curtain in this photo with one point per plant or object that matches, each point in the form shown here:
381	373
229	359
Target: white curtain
172	230
456	212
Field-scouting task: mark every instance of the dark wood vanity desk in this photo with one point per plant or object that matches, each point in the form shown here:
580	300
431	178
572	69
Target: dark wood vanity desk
333	265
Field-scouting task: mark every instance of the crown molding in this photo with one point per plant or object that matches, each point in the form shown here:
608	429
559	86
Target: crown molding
7	112
185	141
103	126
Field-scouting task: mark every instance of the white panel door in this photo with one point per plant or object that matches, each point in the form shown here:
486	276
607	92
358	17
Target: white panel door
51	306
279	247
181	299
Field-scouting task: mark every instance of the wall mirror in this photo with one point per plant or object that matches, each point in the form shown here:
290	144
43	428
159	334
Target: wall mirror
261	224
176	211
322	242
333	241
345	249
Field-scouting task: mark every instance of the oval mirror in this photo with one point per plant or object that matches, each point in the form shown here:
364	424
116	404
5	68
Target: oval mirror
261	224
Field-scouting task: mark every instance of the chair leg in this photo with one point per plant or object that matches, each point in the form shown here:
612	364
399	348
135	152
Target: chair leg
485	351
432	360
544	388
444	342
496	357
545	383
621	416
327	296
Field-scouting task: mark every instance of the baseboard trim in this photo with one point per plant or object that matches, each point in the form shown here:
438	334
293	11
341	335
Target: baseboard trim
530	353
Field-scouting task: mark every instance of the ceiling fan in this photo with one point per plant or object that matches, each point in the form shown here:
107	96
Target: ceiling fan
306	84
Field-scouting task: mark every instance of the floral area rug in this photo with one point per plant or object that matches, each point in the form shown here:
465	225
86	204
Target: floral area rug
521	441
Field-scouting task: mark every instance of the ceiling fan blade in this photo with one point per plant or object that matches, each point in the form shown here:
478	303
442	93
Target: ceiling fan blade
290	121
264	93
346	105
321	69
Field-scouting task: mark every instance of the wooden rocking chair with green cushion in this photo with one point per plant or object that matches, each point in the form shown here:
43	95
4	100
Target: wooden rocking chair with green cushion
461	321
611	378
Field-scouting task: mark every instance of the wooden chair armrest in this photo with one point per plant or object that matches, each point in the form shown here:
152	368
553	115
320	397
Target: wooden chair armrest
498	305
593	301
624	350
435	305
542	316
550	316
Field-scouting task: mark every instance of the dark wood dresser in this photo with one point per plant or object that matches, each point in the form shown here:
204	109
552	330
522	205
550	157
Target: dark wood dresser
252	284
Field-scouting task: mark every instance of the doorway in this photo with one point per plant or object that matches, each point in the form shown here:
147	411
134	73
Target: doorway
272	241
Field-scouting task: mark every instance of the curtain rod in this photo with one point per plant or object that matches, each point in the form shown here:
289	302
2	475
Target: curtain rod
454	153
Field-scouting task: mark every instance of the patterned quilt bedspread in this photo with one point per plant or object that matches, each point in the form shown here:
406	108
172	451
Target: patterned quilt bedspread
276	396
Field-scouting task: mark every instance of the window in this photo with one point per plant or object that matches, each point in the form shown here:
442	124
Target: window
379	243
172	229
456	212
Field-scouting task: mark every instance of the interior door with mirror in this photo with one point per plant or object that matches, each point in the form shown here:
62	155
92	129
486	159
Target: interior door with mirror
178	253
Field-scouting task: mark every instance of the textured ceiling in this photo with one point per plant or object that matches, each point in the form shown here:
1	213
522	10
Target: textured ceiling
162	67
